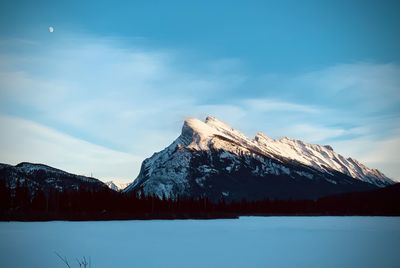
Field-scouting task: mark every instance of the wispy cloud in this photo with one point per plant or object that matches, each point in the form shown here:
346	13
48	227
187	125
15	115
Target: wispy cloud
359	86
109	93
24	140
273	105
382	153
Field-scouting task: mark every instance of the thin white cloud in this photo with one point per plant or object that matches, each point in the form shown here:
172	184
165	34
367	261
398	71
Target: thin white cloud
358	86
268	105
315	133
24	140
319	133
373	80
108	92
382	153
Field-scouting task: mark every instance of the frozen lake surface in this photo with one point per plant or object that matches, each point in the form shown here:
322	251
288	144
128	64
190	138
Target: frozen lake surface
247	242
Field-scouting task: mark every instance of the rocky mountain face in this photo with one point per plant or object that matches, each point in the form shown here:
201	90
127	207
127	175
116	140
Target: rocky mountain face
45	178
212	159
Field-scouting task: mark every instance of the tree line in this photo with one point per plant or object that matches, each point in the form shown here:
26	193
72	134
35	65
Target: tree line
86	204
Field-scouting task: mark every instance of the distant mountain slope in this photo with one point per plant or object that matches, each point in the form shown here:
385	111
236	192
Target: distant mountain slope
45	178
212	159
117	186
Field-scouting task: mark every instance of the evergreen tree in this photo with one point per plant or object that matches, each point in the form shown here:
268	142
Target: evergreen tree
5	196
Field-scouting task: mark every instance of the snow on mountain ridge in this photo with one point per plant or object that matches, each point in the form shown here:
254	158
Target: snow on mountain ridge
321	157
207	151
31	167
213	133
117	186
324	158
197	133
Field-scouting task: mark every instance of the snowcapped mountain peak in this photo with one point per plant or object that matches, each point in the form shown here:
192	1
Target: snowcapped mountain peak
197	128
116	185
215	133
288	140
196	133
261	137
212	118
207	151
200	135
328	147
214	122
226	130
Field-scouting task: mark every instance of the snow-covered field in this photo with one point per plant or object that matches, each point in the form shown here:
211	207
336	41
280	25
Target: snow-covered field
248	242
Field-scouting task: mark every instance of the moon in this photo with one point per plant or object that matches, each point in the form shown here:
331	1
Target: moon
51	29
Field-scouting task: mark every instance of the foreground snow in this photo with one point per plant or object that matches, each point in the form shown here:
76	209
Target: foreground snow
247	242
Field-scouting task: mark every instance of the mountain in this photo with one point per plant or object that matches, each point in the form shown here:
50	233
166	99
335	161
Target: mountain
214	160
117	186
46	178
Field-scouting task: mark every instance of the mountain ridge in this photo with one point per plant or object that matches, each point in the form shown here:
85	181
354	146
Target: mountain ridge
46	178
182	166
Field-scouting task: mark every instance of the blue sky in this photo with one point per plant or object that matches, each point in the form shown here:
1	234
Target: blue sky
114	81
